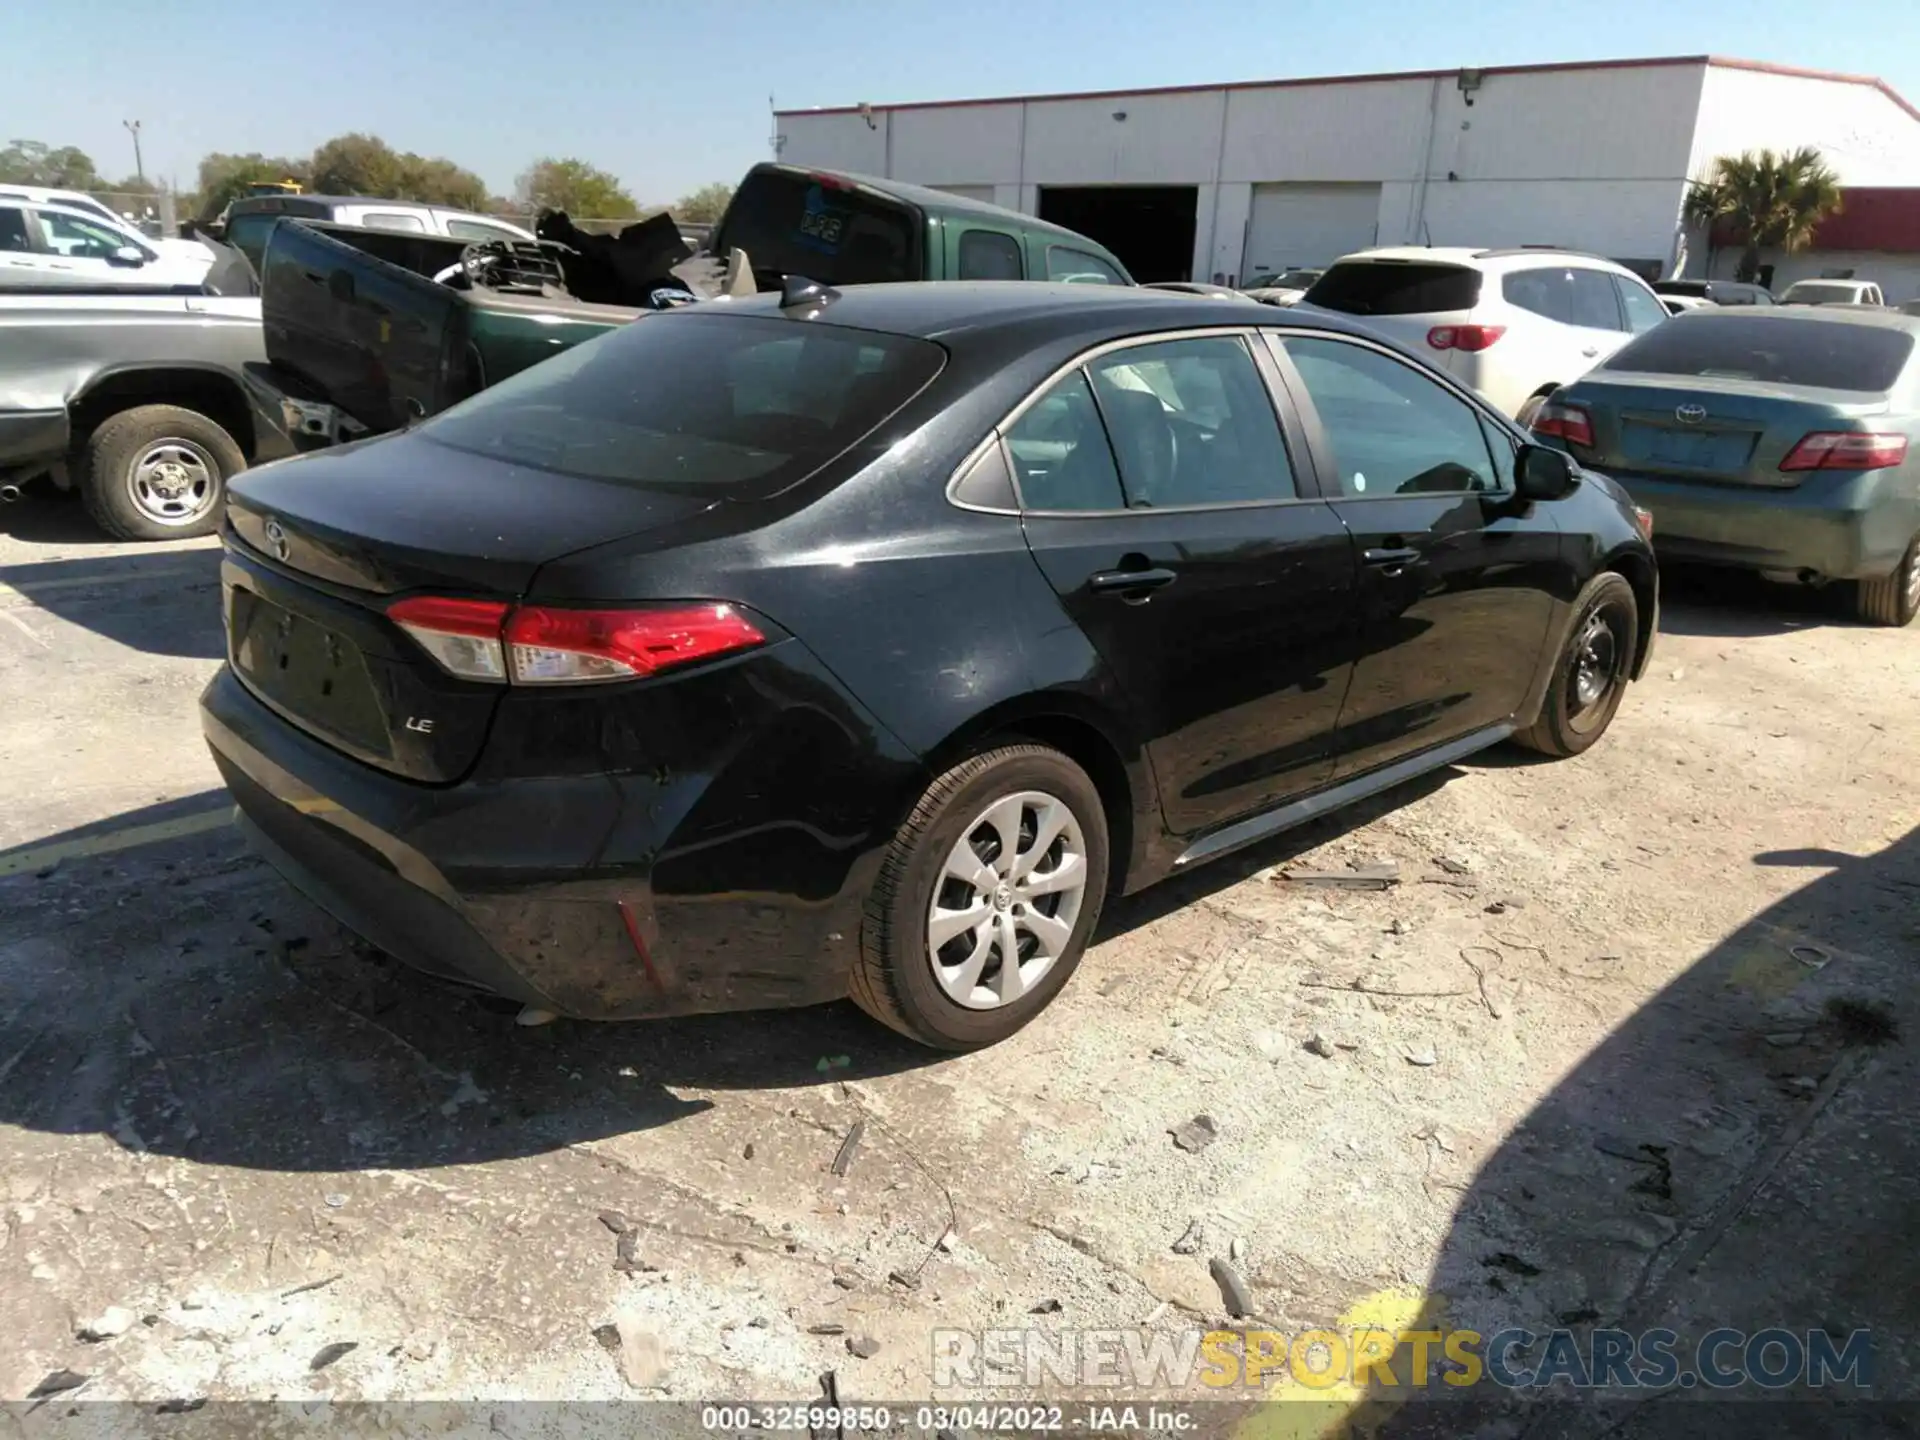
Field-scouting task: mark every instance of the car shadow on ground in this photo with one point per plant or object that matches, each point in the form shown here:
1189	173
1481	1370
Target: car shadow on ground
163	601
1741	1152
46	516
237	1025
1735	605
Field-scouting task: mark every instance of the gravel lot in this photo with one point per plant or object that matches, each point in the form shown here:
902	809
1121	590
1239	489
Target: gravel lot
1552	1072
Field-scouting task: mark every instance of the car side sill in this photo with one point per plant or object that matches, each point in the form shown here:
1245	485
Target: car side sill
1297	812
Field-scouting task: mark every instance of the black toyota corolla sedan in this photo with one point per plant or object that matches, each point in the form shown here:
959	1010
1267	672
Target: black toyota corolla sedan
765	652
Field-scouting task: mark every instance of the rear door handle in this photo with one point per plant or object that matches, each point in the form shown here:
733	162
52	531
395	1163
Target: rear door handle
1131	584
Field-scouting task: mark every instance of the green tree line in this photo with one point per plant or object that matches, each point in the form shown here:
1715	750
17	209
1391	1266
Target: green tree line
361	164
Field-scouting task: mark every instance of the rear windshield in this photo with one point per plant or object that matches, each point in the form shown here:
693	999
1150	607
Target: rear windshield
695	401
1395	287
1778	349
794	225
1833	294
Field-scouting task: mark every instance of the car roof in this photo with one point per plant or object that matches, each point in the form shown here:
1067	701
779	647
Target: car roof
941	309
942	201
1477	256
1806	315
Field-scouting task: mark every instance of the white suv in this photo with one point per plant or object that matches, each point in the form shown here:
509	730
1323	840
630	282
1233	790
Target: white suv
45	245
1513	324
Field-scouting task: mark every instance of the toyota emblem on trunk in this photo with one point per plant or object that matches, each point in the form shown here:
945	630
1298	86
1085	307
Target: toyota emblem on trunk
277	540
1690	414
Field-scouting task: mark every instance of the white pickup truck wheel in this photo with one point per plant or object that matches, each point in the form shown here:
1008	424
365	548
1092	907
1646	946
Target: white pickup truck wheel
158	472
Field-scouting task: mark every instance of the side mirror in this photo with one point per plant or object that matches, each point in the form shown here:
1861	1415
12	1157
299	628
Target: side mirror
1543	473
128	257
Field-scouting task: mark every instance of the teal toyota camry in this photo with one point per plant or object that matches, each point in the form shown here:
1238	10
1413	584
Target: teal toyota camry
1781	440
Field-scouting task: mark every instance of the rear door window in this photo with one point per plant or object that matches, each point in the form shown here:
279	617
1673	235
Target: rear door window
791	223
1544	292
248	234
990	255
1079	268
13	231
1643	311
1592	301
1777	349
1393	287
1061	458
1192	424
695	401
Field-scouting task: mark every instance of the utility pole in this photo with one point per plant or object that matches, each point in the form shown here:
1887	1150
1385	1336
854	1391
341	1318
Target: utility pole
133	129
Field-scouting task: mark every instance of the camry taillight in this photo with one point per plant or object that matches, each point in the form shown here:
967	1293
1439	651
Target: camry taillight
1570	423
1846	450
550	645
1464	337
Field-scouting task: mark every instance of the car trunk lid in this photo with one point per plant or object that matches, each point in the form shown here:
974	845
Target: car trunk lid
1725	431
323	544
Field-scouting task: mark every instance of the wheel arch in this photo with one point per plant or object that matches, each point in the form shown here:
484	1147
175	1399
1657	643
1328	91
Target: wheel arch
1639	571
208	389
1093	741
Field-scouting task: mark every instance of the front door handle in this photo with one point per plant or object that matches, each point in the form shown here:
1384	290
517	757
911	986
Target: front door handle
1132	585
1391	559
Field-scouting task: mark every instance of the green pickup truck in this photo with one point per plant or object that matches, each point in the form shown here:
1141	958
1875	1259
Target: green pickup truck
361	340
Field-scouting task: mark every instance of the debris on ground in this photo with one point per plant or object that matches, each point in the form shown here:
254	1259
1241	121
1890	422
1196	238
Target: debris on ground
643	1359
847	1147
1451	866
1421	1055
1238	1249
1233	1289
1191	1242
905	1279
58	1383
746	1152
827	1327
1511	1263
1501	907
609	1338
1269	1045
1046	1307
108	1323
615	1221
865	1347
1319	1044
1382	875
335	1200
1196	1135
181	1406
626	1255
532	1016
1862	1022
328	1354
312	1285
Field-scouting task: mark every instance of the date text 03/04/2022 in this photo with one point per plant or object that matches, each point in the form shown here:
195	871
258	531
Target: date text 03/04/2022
933	1419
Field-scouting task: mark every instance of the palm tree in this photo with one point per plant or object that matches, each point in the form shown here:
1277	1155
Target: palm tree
1768	199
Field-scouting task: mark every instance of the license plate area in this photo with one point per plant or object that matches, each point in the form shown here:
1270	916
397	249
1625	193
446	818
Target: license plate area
1717	451
311	673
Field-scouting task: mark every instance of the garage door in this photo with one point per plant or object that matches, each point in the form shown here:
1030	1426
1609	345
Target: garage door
1293	225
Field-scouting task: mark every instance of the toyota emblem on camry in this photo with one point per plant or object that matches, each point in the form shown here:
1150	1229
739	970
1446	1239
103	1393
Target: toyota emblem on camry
277	540
1690	414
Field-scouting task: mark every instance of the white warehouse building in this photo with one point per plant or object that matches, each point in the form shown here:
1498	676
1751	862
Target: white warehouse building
1226	181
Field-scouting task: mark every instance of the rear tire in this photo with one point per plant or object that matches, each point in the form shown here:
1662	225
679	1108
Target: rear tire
933	960
1893	599
158	472
1590	674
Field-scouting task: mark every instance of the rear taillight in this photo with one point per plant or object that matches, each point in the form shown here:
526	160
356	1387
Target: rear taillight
566	647
545	645
1570	423
1643	517
1846	450
462	635
1464	337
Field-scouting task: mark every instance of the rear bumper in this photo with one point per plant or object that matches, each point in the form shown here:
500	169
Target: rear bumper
614	919
1842	527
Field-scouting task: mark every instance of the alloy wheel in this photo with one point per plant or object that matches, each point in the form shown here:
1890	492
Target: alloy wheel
1006	900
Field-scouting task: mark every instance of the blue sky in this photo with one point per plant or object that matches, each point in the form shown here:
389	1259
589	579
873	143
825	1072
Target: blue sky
669	96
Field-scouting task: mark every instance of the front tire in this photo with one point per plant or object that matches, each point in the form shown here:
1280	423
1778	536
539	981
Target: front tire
1590	674
986	899
1893	599
158	472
